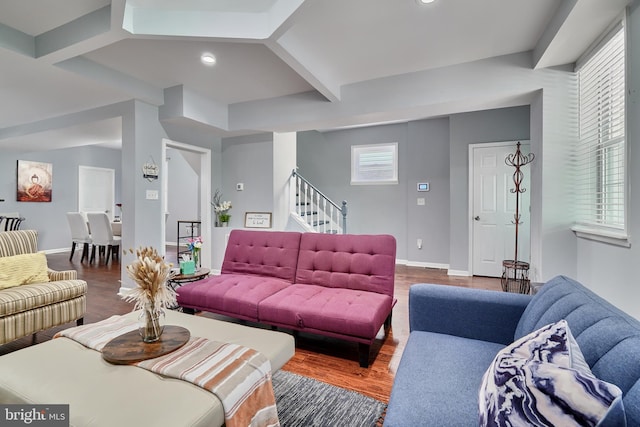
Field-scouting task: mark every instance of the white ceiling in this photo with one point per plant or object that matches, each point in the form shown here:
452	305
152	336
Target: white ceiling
61	57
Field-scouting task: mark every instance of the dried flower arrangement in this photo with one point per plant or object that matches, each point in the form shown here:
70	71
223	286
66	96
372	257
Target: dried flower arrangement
151	273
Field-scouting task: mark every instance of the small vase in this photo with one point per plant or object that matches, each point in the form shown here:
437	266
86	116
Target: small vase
225	224
195	255
151	323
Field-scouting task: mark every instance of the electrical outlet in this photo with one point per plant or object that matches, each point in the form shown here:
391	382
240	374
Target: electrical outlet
419	243
152	195
421	201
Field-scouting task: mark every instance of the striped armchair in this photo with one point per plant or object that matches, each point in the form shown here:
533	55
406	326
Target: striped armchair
27	309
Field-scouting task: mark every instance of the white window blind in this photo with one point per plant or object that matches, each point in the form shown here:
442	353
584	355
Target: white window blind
600	155
374	164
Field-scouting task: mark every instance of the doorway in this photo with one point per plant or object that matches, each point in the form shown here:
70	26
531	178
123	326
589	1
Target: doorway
492	208
203	156
96	190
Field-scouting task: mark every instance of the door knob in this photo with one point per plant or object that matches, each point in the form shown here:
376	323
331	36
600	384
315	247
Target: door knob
477	218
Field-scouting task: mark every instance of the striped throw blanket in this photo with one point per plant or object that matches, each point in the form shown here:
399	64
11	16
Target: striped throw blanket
239	376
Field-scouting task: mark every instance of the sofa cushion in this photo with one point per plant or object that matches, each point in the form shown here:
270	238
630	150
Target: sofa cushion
23	269
18	242
28	297
267	254
438	379
541	379
233	294
359	262
608	337
341	311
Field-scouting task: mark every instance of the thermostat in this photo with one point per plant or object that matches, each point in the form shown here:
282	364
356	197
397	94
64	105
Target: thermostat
423	186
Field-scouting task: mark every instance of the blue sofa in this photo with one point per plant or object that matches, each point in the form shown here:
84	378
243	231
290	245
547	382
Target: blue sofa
456	333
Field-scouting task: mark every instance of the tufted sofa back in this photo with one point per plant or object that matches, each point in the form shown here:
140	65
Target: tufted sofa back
608	337
18	242
263	253
363	262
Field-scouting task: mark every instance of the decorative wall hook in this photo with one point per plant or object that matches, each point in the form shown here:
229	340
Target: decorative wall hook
150	170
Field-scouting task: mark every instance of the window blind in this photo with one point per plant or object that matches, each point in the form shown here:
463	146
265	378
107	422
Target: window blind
374	164
600	154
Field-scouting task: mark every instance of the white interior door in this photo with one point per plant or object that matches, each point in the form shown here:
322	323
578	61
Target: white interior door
494	207
96	188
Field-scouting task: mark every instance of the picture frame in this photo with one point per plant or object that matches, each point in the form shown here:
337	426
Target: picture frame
257	219
35	181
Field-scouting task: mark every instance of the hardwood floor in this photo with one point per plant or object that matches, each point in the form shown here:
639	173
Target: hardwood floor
329	360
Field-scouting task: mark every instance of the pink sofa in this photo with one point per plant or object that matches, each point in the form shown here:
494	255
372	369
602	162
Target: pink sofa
337	285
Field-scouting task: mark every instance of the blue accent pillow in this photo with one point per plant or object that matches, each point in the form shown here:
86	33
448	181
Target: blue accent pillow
542	380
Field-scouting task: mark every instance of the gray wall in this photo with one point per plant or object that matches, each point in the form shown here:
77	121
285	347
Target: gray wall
247	160
612	271
49	219
423	155
506	124
434	151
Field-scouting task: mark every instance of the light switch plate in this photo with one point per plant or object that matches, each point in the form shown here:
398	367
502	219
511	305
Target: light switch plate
421	201
152	194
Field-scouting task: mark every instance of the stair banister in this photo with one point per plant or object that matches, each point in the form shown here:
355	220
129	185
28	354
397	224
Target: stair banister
312	197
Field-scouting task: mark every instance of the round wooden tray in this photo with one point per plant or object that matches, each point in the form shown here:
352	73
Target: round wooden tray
129	348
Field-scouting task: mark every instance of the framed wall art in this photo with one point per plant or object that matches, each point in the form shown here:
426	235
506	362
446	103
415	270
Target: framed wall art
257	220
35	181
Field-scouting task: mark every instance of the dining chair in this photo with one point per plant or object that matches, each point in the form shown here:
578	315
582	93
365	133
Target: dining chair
79	234
12	223
102	236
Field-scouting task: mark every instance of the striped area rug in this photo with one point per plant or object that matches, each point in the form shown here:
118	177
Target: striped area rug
303	401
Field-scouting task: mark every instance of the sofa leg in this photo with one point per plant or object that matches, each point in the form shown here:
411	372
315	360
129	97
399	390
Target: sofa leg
33	339
363	352
387	323
80	321
188	310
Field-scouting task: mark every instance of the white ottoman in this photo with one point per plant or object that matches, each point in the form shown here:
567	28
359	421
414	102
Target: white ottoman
61	371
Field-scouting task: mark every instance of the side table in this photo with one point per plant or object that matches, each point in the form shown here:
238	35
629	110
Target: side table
179	279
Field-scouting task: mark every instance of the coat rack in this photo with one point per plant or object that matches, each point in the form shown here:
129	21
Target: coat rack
515	274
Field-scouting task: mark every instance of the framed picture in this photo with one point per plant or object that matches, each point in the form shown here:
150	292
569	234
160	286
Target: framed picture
35	181
257	219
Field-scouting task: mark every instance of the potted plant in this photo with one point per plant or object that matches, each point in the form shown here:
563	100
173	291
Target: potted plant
222	209
224	219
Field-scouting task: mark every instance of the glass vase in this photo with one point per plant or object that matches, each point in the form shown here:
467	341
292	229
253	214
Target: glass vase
151	323
195	255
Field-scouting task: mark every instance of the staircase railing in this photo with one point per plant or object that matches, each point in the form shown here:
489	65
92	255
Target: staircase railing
317	210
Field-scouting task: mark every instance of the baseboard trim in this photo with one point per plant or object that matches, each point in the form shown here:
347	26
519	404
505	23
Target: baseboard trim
439	266
458	273
58	251
123	291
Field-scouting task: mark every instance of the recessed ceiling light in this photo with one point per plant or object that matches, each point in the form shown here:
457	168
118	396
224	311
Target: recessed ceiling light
424	1
208	59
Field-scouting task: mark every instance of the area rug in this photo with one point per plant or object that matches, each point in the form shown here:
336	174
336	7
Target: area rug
303	401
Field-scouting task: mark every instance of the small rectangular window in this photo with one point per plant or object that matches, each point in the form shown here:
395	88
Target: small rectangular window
374	164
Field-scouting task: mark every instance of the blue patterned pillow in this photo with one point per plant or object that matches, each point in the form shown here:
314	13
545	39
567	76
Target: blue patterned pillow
542	380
